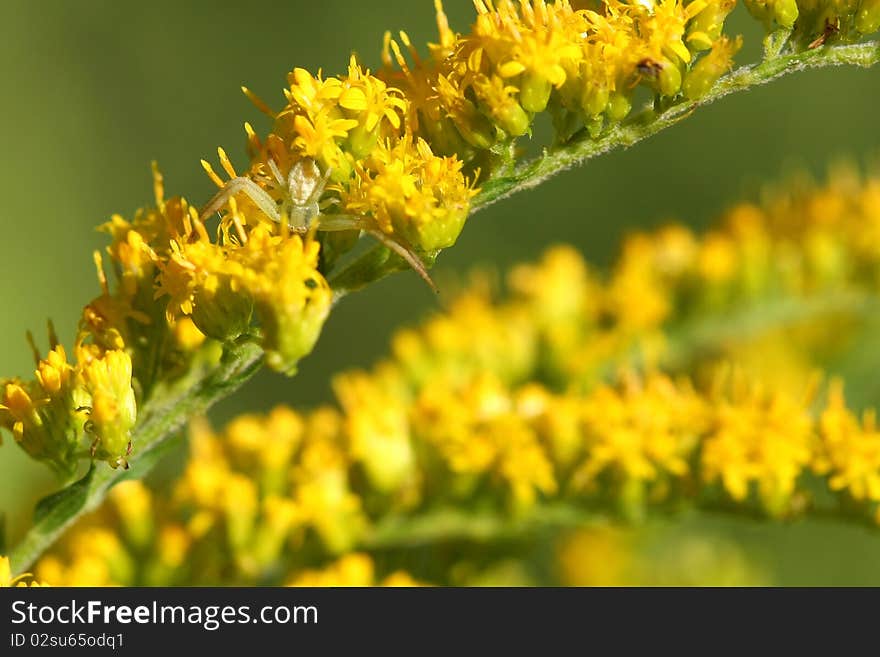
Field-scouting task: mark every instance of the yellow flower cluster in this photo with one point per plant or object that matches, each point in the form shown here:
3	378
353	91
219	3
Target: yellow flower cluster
396	155
584	66
71	410
479	411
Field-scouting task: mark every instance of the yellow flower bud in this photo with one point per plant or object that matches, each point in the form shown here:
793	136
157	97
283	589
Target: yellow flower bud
378	427
705	28
619	106
45	415
221	311
500	104
594	99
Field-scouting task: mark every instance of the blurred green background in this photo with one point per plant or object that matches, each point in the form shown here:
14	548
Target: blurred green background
93	90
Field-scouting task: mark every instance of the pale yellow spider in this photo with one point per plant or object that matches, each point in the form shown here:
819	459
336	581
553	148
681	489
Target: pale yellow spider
300	207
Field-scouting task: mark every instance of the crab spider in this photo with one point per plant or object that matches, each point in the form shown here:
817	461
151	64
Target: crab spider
89	428
301	208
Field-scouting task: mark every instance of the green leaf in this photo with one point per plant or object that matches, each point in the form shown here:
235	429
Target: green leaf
66	502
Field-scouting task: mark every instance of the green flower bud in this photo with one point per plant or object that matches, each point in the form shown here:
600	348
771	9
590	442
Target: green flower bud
619	106
513	120
705	73
475	128
445	139
499	102
595	99
440	232
669	79
534	93
288	336
292	301
361	141
785	12
220	311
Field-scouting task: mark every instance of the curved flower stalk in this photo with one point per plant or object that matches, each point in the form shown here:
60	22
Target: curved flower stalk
400	156
496	421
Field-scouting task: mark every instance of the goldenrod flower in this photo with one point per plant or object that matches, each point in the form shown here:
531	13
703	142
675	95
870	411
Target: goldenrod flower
409	192
45	415
338	121
377	425
760	439
850	454
645	432
276	276
476	430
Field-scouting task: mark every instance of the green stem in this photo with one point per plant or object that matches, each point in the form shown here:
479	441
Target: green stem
736	325
455	525
447	525
162	418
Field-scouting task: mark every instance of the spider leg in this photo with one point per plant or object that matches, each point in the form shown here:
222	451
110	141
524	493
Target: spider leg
348	222
336	222
407	254
276	172
319	188
247	186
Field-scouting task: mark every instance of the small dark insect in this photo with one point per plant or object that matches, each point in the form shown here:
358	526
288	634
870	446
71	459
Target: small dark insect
831	28
646	68
649	67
